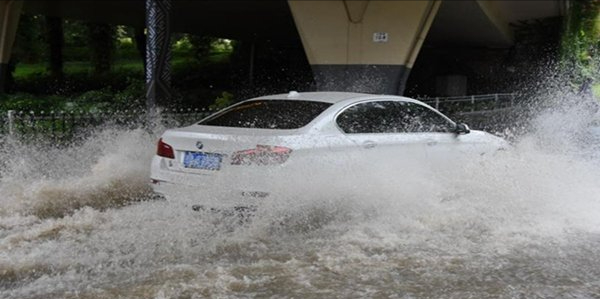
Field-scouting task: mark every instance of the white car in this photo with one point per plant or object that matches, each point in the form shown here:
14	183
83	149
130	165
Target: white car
256	149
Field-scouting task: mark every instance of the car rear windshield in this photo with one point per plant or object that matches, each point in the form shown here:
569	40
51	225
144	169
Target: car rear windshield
268	114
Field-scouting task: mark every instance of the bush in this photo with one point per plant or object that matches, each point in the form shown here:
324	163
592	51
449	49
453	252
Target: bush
27	102
76	82
223	101
105	98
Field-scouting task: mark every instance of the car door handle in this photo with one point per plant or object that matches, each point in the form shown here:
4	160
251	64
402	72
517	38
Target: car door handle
431	142
369	144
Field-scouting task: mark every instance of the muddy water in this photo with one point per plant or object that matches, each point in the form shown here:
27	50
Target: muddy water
79	223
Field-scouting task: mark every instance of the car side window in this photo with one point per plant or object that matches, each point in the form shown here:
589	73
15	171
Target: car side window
391	117
419	118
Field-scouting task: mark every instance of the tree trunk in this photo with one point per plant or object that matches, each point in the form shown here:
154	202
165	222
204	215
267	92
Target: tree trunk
55	38
102	46
140	43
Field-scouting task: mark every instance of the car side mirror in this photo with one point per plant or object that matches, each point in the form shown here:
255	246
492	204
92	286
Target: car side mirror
461	129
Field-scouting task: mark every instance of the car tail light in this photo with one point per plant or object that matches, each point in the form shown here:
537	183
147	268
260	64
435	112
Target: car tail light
165	150
261	155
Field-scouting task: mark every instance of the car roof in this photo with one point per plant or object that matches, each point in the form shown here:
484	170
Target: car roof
327	96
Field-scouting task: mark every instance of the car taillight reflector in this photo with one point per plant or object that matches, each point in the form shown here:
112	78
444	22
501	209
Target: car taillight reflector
261	155
165	150
155	182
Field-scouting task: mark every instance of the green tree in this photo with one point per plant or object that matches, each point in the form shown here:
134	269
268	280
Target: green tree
581	44
202	46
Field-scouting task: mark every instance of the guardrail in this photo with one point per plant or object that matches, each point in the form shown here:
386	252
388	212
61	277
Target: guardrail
67	125
474	104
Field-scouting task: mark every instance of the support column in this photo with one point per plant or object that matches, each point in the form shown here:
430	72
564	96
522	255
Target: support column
10	11
158	53
494	14
363	46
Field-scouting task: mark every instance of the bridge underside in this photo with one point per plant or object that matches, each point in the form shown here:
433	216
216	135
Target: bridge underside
233	19
368	46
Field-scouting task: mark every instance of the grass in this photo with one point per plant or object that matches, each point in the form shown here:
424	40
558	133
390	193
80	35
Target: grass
24	70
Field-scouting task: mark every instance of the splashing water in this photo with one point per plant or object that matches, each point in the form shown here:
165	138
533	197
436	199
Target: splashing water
75	223
106	171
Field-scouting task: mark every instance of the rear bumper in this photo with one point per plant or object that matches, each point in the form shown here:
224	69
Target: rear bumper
219	190
209	196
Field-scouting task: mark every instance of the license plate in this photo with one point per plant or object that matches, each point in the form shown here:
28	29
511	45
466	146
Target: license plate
200	160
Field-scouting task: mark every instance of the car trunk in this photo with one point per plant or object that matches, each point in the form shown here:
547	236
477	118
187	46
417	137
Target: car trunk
212	150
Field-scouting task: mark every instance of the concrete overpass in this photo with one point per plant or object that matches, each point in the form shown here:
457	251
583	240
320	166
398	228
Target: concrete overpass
366	46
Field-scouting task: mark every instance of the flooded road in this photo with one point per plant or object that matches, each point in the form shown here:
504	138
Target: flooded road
78	223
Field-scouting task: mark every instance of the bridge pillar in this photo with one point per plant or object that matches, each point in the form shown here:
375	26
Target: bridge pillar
10	11
363	46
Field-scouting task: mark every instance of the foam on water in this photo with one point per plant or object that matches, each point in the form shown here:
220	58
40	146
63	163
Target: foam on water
525	222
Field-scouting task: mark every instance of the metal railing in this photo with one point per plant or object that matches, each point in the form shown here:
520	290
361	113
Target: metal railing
67	125
472	104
